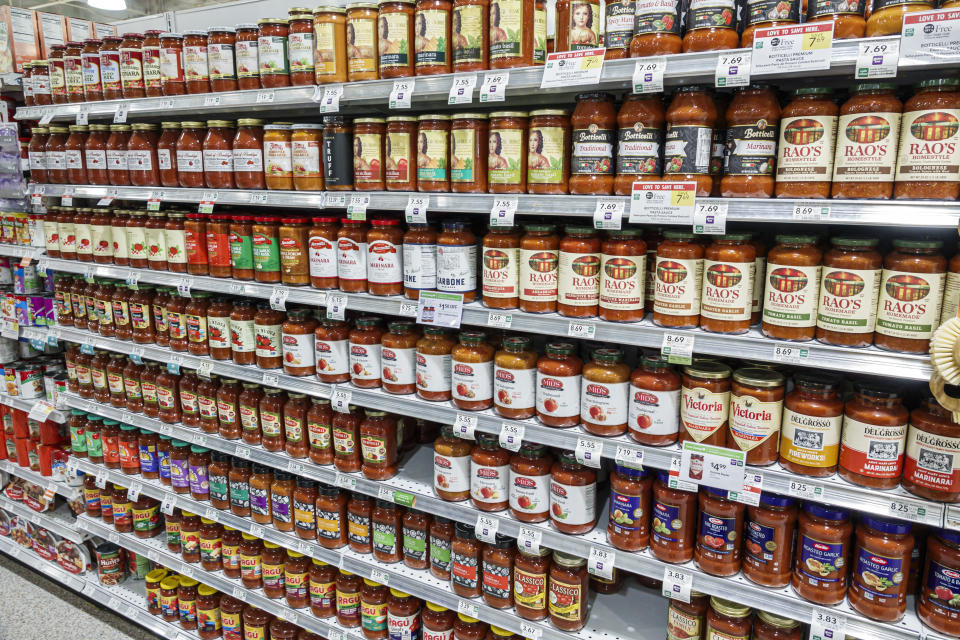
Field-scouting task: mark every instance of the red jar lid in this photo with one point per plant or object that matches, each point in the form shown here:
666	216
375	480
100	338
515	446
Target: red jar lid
266	219
242	218
293	220
196	216
133	35
325	219
385	222
349	221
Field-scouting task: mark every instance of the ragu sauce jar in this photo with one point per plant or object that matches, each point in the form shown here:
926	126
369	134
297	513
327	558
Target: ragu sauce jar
705	402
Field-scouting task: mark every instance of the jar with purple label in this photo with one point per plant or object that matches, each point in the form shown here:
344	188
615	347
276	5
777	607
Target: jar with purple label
878	584
149	462
199	474
259	482
164	445
822	559
180	466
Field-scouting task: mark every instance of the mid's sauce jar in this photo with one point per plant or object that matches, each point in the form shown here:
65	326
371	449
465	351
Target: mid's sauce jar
822	558
603	398
705	402
654	402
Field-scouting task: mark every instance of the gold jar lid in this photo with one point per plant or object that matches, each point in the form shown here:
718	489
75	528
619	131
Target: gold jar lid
361	5
777	621
759	377
549	112
729	608
568	560
144	126
220	123
707	369
249	122
433	116
119	127
368	121
402	119
57	129
329	9
469	116
508	114
79	128
193	124
95	127
272	21
169	125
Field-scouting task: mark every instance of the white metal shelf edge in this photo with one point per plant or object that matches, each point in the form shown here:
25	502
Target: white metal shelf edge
54	521
68	492
27	405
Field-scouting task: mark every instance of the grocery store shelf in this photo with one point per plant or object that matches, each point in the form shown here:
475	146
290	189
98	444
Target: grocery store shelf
433	91
24	404
11	83
413	486
68	492
124	599
748	210
18	251
749	346
60	521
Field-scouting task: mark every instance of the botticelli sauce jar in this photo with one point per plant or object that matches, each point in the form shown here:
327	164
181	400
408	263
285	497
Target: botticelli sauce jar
594	133
640	123
691	118
753	116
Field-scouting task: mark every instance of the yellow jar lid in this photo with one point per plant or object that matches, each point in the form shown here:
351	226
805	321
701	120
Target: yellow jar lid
170	583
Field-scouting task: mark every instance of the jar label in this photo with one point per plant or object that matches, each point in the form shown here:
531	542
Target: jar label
751	149
219	488
304	518
270	423
566	600
96	160
73	76
217	160
727	290
529	494
468	33
462	145
250	566
242	336
712	14
489	484
415	543
639	147
619	25
306	158
319	434
932	460
199	482
539	35
872	450
604	403
188	612
91	71
189	161
848	300
298	350
38	160
149	390
472	381
176	241
714	634
403	627
210	549
55	160
338	159
384	262
323	257
218	331
332	357
621	282
195	64
171	69
260	501
440	554
811	441
248	56
573	505
496	581
929	146
530	589
505	164
760	545
456	268
148	458
326	53
398	158
116	161
909	304
249	417
351	259
244	160
653	413
514	389
878	576
361	57
558	396
394	46
220	61
626	511
343	442
241	251
266	252
677	291
239	494
464	570
682	625
373	617
164	162
546	156
373	449
592	151
365	361
73	159
131	68
279	158
500	272
358	529
101	238
718	535
300	52
419	266
226	412
789	299
368	157
399	365
166	398
431	37
176	325
943	585
208	407
656	16
538	275
687	150
451	473
506	29
273	576
866	147
109	73
384	538
752	421
269	337
179	473
703	411
805	152
432	156
579	279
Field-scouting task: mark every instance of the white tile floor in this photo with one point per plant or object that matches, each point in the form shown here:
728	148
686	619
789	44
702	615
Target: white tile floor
33	607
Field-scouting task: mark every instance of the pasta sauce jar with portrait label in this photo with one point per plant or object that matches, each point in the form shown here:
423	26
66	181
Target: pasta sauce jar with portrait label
705	402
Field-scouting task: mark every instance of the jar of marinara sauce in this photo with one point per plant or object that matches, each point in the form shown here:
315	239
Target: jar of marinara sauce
221	42
705	402
812	420
578	276
558	385
756	407
720	533
352	255
398	358
726	302
848	21
457	252
726	619
451	466
385	257
196	66
247	55
867	135
793	284
882	553
322	253
433	133
808	134
539	259
874	434
489	474
679	273
472	372
849	290
333	362
364	342
594	123
753	116
911	294
622	272
573	495
691	118
514	379
939	585
768	540
630	502
886	16
758	15
530	576
171	64
822	559
603	399
654	402
933	435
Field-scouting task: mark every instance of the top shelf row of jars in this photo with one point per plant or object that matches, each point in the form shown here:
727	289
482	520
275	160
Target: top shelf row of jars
365	42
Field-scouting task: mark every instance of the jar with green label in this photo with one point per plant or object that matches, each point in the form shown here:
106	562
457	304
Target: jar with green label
507	154
266	249
241	247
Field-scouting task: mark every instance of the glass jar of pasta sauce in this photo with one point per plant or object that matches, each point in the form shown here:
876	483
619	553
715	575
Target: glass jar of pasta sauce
768	540
433	167
594	131
622	273
400	153
603	398
727	619
640	123
500	267
248	154
558	385
807	141
720	535
821	563
654	402
196	66
728	275
705	402
941	564
578	273
793	285
881	565
514	379
756	408
679	274
911	294
848	20
569	587
221	43
933	435
630	503
691	119
874	436
812	420
548	151
507	158
849	291
539	262
868	132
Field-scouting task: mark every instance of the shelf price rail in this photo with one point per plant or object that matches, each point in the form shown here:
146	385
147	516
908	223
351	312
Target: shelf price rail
895	503
412	486
752	346
60	521
750	210
51	485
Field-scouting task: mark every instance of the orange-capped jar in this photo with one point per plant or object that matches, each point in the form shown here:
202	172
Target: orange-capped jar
812	421
874	420
109	70
933	432
395	38
398	355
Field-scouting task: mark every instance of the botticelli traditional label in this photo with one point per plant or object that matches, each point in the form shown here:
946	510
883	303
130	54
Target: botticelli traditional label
790	297
579	279
866	147
805	153
751	149
687	149
872	450
727	290
500	272
848	300
909	304
933	460
468	33
593	151
703	411
546	155
638	150
808	440
505	164
929	146
753	421
677	287
621	282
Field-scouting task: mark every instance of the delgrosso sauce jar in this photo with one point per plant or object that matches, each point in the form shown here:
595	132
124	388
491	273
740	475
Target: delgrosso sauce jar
932	466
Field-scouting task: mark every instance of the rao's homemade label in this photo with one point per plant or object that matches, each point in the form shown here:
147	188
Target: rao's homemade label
810	441
805	153
579	279
727	290
909	304
866	147
929	146
790	299
677	290
500	272
538	275
848	300
621	282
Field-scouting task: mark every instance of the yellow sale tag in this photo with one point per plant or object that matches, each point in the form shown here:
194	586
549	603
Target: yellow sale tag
682	198
821	40
591	63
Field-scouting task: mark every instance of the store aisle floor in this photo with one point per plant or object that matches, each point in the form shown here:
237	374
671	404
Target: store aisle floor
33	607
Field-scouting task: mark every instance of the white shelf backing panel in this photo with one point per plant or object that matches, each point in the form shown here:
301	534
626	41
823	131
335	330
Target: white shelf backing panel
749	210
415	480
434	91
61	488
60	521
750	346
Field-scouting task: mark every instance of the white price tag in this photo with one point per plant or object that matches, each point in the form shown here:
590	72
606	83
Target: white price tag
212	514
211	101
677	348
330	102
166	105
531	631
733	69
295	467
408	309
108	199
499	319
511	435
877	59
826	624
133	491
385	493
88	588
461	89
666	202
805	490
380	576
278	298
113	537
930	36
811	211
120	115
334	200
600	562
710	217
336	306
46	116
711	466
464	426
72	466
589	452
784	353
166	430
402	93
271	379
256	530
340	400
153	202
41	411
265	97
440	309
186	570
199	439
503	211
914	511
259	197
581	330
494	87
677	583
240	593
133	279
648	74
752	488
486	528
569	68
346	481
184	286
357	207
153	555
83	115
469	609
416	211
629	457
608	214
113	604
207	200
336	634
66	198
101	478
168	504
204	369
242	452
530	539
803	47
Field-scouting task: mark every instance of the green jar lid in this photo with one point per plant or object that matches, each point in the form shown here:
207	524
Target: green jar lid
77	412
93	418
873	86
126	427
850	241
938	82
179	443
198	449
795	239
580	231
901	243
813	91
